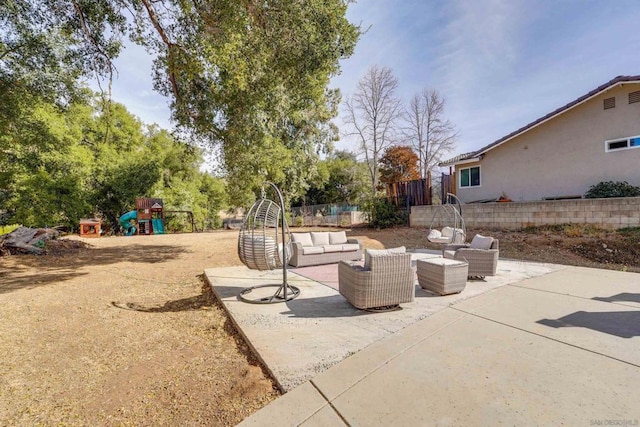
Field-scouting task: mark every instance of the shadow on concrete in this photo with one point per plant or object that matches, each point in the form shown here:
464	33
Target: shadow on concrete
623	297
322	307
423	293
227	291
623	324
32	271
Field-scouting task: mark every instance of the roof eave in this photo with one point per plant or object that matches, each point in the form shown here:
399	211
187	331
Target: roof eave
460	162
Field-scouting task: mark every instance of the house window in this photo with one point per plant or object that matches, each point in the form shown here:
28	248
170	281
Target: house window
634	97
470	177
622	144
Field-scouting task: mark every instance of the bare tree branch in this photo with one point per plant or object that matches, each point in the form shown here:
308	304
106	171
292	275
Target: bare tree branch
427	130
372	115
168	43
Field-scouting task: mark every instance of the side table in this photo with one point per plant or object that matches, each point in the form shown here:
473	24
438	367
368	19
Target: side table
442	276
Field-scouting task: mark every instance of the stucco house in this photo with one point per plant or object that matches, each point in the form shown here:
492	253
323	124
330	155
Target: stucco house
592	139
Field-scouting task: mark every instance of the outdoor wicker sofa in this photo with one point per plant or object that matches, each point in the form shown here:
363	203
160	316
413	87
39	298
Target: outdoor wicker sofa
386	279
323	247
481	255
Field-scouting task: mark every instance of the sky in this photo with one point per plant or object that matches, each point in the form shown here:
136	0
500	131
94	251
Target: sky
499	64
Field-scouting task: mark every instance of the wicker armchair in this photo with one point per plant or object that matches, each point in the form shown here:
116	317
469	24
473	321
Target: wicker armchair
388	281
482	262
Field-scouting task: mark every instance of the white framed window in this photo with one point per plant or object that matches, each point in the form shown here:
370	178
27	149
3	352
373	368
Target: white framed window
622	144
470	177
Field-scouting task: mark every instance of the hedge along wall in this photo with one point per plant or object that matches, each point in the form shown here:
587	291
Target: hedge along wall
605	213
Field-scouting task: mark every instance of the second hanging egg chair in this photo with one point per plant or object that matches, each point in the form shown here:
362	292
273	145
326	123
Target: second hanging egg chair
449	217
264	244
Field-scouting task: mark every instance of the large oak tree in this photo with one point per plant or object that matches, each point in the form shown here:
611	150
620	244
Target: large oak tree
250	77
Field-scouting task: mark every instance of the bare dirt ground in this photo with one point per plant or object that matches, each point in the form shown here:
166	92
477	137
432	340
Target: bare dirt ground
123	330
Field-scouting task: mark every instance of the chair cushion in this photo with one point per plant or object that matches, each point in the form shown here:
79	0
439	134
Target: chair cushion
381	252
434	234
337	237
320	238
447	232
449	254
332	248
312	250
303	238
348	247
481	242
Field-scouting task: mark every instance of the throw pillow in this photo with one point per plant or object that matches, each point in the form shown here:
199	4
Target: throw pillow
303	238
337	237
320	238
447	232
481	242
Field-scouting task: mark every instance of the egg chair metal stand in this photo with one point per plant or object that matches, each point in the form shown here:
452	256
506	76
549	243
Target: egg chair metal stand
448	214
264	244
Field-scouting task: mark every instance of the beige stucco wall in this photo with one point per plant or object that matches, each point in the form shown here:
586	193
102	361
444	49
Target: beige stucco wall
604	213
564	156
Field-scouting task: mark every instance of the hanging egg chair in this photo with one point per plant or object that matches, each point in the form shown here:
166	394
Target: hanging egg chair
264	244
449	216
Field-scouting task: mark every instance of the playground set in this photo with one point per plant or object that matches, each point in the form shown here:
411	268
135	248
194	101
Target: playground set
147	219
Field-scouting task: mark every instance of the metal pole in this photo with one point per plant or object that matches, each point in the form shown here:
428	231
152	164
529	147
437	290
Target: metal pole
284	246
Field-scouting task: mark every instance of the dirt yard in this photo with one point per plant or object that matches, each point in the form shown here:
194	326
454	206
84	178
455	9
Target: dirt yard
123	330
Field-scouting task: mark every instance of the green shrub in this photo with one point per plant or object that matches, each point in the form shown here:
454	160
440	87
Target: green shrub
383	214
609	189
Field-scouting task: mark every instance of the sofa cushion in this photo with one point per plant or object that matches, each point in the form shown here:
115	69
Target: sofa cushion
312	250
348	247
337	237
481	242
332	248
320	238
303	238
381	252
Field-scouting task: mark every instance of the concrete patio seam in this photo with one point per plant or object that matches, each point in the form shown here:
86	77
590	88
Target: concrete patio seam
549	338
329	403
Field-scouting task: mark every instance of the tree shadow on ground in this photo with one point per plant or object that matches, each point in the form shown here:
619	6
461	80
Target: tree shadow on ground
623	324
196	302
623	297
32	271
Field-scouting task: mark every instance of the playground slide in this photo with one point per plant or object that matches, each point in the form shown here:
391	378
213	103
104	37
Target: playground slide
158	226
125	223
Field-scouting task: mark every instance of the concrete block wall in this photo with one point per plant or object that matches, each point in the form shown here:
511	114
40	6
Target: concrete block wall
605	213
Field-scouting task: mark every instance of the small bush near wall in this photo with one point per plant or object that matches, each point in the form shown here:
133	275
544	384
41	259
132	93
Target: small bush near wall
608	189
382	213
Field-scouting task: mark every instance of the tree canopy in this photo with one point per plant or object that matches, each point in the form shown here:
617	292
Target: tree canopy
58	165
399	163
249	77
341	179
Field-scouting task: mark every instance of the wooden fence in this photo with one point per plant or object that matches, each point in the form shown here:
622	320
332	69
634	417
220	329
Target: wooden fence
410	193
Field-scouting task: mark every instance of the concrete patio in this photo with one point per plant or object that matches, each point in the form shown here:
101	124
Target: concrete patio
536	344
